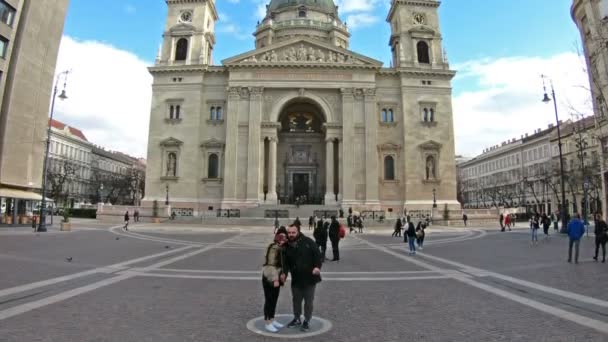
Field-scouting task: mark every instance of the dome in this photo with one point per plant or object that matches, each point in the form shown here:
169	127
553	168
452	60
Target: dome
324	5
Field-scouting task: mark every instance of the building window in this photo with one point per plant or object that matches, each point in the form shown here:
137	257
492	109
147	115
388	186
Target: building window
3	47
387	115
181	49
212	113
218	113
174	111
213	166
302	13
423	52
431	115
384	115
389	168
391	116
7	13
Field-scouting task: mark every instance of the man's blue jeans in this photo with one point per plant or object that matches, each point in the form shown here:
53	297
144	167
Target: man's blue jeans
412	242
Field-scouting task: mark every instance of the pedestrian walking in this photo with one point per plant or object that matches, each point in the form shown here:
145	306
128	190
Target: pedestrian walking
601	236
271	280
276	224
555	220
546	222
508	221
420	235
136	216
576	229
334	237
303	262
350	223
397	230
297	223
311	223
500	221
359	221
126	227
534	226
320	235
411	237
465	219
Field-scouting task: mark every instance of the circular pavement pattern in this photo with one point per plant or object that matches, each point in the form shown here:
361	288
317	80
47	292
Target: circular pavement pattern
318	326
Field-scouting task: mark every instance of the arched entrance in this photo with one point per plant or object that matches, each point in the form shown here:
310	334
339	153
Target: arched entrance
301	153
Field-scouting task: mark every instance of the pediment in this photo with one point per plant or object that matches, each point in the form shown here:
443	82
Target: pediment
430	145
389	147
301	52
182	27
212	143
422	29
171	142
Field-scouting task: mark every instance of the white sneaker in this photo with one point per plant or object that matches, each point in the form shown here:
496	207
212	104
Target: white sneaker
420	248
277	324
271	328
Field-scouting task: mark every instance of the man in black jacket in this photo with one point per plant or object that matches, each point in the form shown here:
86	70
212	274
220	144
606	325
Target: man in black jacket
334	237
320	235
303	261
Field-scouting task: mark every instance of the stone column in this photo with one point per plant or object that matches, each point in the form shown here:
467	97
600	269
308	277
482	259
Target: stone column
348	145
371	153
272	170
330	198
254	161
230	156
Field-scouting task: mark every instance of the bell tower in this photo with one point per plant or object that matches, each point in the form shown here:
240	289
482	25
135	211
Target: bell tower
415	34
189	33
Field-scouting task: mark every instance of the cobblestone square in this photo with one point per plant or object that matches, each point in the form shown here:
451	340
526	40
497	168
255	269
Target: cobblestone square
202	283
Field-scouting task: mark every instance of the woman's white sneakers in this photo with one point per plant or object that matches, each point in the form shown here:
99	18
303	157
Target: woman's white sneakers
270	327
277	324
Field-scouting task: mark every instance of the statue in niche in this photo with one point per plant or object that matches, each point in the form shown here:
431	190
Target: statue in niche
300	122
265	57
430	168
171	164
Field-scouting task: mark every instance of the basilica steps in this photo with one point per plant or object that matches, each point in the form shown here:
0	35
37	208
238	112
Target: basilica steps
303	212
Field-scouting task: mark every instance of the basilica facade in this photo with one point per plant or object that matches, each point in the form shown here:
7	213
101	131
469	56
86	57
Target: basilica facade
301	117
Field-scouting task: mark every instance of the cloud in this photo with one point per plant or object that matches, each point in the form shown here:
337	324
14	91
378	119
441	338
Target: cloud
233	1
233	30
349	6
109	93
501	99
130	9
360	20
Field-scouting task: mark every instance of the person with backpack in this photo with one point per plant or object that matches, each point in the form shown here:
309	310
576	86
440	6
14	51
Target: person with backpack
420	235
397	231
601	236
411	237
334	237
271	280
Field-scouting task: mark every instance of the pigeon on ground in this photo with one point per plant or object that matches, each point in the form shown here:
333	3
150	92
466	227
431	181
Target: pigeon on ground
167	247
117	238
69	259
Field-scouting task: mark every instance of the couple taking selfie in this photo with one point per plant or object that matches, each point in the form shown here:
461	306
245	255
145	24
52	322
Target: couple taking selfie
291	253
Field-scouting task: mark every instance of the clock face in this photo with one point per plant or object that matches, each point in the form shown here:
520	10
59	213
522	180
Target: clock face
419	18
186	17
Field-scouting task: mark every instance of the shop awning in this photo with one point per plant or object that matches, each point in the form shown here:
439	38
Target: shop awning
20	194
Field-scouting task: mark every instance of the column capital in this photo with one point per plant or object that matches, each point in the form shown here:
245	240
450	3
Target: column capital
256	92
244	93
234	92
347	92
369	94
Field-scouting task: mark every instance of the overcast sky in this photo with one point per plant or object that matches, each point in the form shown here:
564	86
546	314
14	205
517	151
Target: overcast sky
498	47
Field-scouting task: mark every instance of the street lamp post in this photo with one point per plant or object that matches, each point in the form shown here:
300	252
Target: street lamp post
434	199
62	96
563	208
167	194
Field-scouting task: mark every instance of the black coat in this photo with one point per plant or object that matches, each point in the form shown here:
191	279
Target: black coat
301	257
334	230
411	230
320	233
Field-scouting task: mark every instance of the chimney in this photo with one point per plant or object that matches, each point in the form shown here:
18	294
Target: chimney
526	135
